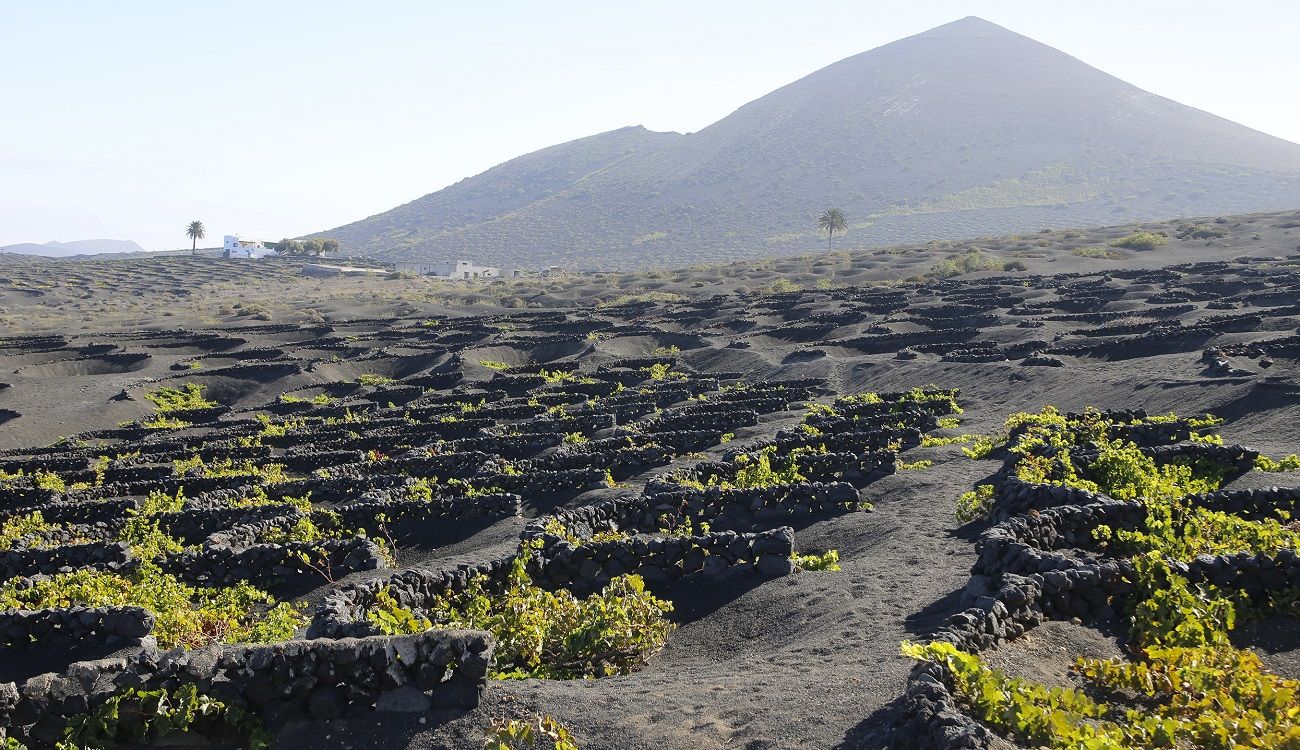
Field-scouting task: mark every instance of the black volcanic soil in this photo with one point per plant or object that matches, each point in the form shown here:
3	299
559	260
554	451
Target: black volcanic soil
806	661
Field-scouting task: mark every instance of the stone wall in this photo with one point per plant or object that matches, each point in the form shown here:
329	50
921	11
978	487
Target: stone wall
668	504
589	566
95	555
73	626
416	516
262	564
295	680
342	612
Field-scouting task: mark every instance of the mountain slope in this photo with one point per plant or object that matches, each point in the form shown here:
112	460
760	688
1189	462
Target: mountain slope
964	129
499	192
78	247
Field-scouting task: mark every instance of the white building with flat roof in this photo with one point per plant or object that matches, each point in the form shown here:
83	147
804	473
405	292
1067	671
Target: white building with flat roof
240	247
450	269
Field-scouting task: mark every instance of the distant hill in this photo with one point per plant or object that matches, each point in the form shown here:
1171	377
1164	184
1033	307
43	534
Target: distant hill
963	130
68	249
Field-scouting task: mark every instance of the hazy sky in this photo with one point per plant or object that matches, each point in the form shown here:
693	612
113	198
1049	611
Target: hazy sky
274	118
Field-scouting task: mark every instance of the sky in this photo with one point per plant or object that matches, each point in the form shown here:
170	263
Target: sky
275	118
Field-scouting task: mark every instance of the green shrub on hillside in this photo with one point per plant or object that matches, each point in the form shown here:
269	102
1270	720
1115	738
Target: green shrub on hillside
541	732
168	400
549	634
1202	232
1208	697
975	504
161	422
187	616
661	371
972	261
763	468
1265	463
1100	253
20	526
828	560
1141	241
781	286
148	717
651	296
390	618
1188	686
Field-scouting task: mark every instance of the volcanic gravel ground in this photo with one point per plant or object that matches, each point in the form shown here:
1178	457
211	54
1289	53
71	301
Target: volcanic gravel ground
808	660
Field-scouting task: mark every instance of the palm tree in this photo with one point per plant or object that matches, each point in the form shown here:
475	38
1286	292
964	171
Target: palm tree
832	220
195	231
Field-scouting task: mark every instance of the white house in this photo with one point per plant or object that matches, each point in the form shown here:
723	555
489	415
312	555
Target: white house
239	247
450	269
